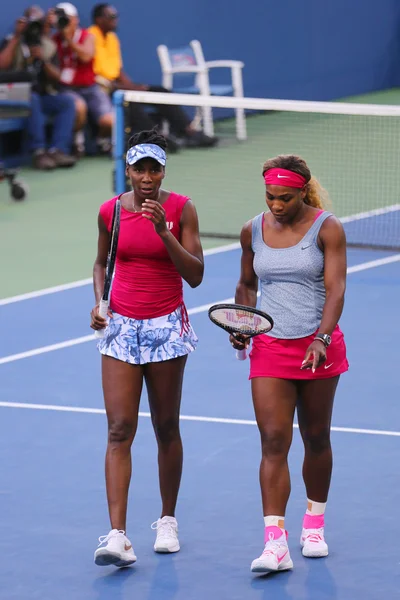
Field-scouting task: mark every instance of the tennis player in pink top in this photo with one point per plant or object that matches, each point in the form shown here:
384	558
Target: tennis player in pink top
297	252
148	335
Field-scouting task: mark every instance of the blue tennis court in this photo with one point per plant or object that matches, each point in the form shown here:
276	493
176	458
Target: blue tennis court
53	441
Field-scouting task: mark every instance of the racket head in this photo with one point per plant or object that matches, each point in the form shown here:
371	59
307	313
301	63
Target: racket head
112	252
240	320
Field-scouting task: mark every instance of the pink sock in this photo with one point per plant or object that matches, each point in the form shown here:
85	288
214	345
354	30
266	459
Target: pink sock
276	532
313	521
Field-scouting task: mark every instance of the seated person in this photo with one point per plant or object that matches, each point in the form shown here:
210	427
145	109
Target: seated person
109	74
75	48
27	49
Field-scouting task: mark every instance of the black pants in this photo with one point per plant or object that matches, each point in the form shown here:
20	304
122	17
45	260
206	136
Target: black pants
138	119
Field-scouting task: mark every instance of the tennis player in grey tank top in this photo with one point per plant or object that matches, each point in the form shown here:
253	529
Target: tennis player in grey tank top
297	253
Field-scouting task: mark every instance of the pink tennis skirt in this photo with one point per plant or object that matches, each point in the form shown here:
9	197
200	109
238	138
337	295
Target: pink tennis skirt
273	357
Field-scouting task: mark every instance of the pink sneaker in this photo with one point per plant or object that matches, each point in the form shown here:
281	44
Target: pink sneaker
312	536
276	556
313	543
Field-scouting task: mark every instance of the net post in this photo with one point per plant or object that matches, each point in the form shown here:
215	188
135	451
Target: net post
118	142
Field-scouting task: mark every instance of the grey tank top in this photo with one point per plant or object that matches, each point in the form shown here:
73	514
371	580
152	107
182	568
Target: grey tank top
291	281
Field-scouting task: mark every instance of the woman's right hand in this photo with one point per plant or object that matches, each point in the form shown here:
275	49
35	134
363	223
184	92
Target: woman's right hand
239	342
97	322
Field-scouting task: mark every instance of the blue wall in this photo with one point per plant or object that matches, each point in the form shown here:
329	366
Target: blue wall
300	49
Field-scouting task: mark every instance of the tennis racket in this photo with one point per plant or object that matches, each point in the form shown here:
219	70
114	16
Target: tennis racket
112	253
240	321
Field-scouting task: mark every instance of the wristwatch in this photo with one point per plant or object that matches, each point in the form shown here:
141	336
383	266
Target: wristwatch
324	337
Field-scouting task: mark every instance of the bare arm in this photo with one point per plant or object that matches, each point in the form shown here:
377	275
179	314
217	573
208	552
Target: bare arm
333	239
99	268
187	255
124	82
84	51
7	53
246	289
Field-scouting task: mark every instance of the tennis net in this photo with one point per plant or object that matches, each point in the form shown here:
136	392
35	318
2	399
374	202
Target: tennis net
352	149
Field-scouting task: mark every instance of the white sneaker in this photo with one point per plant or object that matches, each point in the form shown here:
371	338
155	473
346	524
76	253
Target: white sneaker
167	535
276	556
313	543
114	549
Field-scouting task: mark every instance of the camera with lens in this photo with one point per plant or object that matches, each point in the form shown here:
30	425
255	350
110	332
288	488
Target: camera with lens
62	18
33	33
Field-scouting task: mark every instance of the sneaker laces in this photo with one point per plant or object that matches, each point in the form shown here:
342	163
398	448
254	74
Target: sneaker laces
105	538
272	546
165	529
314	535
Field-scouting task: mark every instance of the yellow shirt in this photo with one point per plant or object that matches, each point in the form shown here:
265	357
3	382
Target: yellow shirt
107	57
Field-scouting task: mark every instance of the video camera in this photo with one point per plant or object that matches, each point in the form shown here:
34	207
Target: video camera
33	33
62	18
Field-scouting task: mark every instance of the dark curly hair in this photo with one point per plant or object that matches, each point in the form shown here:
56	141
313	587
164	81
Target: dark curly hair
152	136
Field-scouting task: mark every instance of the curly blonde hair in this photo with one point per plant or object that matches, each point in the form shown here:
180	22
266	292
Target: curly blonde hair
316	195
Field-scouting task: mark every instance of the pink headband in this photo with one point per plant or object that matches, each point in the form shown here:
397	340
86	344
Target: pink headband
285	178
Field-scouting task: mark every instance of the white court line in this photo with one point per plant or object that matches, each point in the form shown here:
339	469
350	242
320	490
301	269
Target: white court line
50	290
370	213
211	251
89	338
82	282
192	311
101	411
45	349
374	263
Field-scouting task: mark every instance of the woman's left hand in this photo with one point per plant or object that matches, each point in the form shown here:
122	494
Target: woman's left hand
315	355
154	212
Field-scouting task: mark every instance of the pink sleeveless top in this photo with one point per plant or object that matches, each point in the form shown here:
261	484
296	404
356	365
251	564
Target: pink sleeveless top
146	283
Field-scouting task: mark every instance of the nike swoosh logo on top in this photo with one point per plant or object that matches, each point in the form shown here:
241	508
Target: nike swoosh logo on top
283	176
304	247
126	548
327	366
280	558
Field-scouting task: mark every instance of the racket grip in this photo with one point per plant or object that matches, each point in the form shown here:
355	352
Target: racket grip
103	310
241	354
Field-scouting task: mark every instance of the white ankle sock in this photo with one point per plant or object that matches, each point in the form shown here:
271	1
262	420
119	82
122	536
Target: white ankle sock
315	508
271	520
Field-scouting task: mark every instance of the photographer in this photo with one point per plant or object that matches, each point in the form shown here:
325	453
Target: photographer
110	74
29	50
76	50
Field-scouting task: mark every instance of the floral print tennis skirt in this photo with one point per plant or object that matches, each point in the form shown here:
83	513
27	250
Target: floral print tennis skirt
149	340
